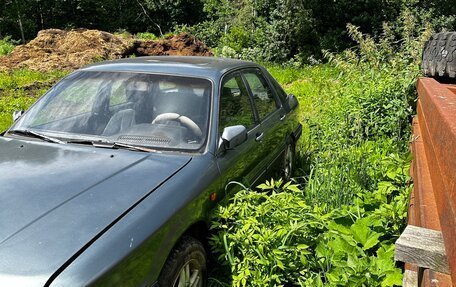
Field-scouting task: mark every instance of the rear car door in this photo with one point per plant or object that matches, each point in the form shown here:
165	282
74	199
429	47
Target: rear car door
270	115
242	163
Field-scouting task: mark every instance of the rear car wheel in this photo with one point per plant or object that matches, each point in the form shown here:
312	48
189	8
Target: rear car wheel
439	55
185	266
288	161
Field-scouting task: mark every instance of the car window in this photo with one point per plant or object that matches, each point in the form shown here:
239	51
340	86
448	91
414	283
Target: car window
280	91
235	106
263	96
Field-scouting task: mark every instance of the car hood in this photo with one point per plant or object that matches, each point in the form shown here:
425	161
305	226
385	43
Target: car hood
56	198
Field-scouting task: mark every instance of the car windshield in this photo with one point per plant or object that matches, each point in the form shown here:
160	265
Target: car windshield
157	111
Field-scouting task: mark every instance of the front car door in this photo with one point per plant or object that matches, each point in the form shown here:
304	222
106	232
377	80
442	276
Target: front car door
243	163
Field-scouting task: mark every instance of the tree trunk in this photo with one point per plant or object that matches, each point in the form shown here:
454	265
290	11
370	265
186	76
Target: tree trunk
19	18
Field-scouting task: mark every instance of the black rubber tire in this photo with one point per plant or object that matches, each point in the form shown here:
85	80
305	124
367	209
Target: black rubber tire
439	56
290	151
188	249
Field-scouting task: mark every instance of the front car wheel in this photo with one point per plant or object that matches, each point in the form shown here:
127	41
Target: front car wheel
185	266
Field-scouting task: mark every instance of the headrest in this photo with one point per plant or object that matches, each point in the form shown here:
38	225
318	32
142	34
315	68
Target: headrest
137	86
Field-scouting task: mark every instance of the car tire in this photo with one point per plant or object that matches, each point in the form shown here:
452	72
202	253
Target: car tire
288	161
439	55
185	266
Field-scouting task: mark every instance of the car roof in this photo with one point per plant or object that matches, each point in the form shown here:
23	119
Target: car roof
208	67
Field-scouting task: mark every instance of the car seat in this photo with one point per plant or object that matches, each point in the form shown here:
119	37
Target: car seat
120	121
138	93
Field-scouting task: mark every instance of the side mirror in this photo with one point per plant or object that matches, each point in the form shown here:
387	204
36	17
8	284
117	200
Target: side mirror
232	137
292	102
17	115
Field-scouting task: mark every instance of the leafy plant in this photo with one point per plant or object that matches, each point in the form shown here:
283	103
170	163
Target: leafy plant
7	46
277	238
368	117
146	36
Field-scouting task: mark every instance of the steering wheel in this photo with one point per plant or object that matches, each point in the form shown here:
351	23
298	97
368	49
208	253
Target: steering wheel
183	120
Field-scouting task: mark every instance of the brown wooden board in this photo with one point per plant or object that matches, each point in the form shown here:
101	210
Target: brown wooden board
433	202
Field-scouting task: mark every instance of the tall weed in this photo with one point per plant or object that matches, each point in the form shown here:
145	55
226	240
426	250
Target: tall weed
370	115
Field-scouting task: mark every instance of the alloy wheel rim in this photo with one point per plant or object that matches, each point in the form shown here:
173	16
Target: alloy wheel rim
189	276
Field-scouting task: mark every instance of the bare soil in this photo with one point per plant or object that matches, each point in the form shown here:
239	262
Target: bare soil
176	45
55	49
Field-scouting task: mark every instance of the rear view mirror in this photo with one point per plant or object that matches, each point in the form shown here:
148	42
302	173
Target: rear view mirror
17	115
232	137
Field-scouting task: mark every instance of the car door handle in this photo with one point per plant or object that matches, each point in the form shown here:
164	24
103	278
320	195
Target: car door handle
282	117
259	137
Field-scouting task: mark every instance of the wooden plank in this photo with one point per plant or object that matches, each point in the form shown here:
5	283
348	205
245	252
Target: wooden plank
423	191
440	279
410	279
437	119
422	247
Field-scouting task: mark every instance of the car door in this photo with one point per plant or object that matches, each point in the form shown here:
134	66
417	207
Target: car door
242	163
271	116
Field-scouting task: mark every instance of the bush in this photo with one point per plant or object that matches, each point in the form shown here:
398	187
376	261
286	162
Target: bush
7	46
277	238
146	36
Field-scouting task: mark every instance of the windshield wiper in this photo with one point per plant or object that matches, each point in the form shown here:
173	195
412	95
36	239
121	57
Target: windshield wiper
29	133
112	145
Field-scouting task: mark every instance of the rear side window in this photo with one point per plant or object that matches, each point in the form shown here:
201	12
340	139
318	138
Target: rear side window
235	106
280	92
263	96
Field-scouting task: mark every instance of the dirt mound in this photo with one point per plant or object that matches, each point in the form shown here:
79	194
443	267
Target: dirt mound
65	50
55	49
177	45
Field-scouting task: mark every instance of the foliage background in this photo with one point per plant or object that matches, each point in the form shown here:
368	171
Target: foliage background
265	30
